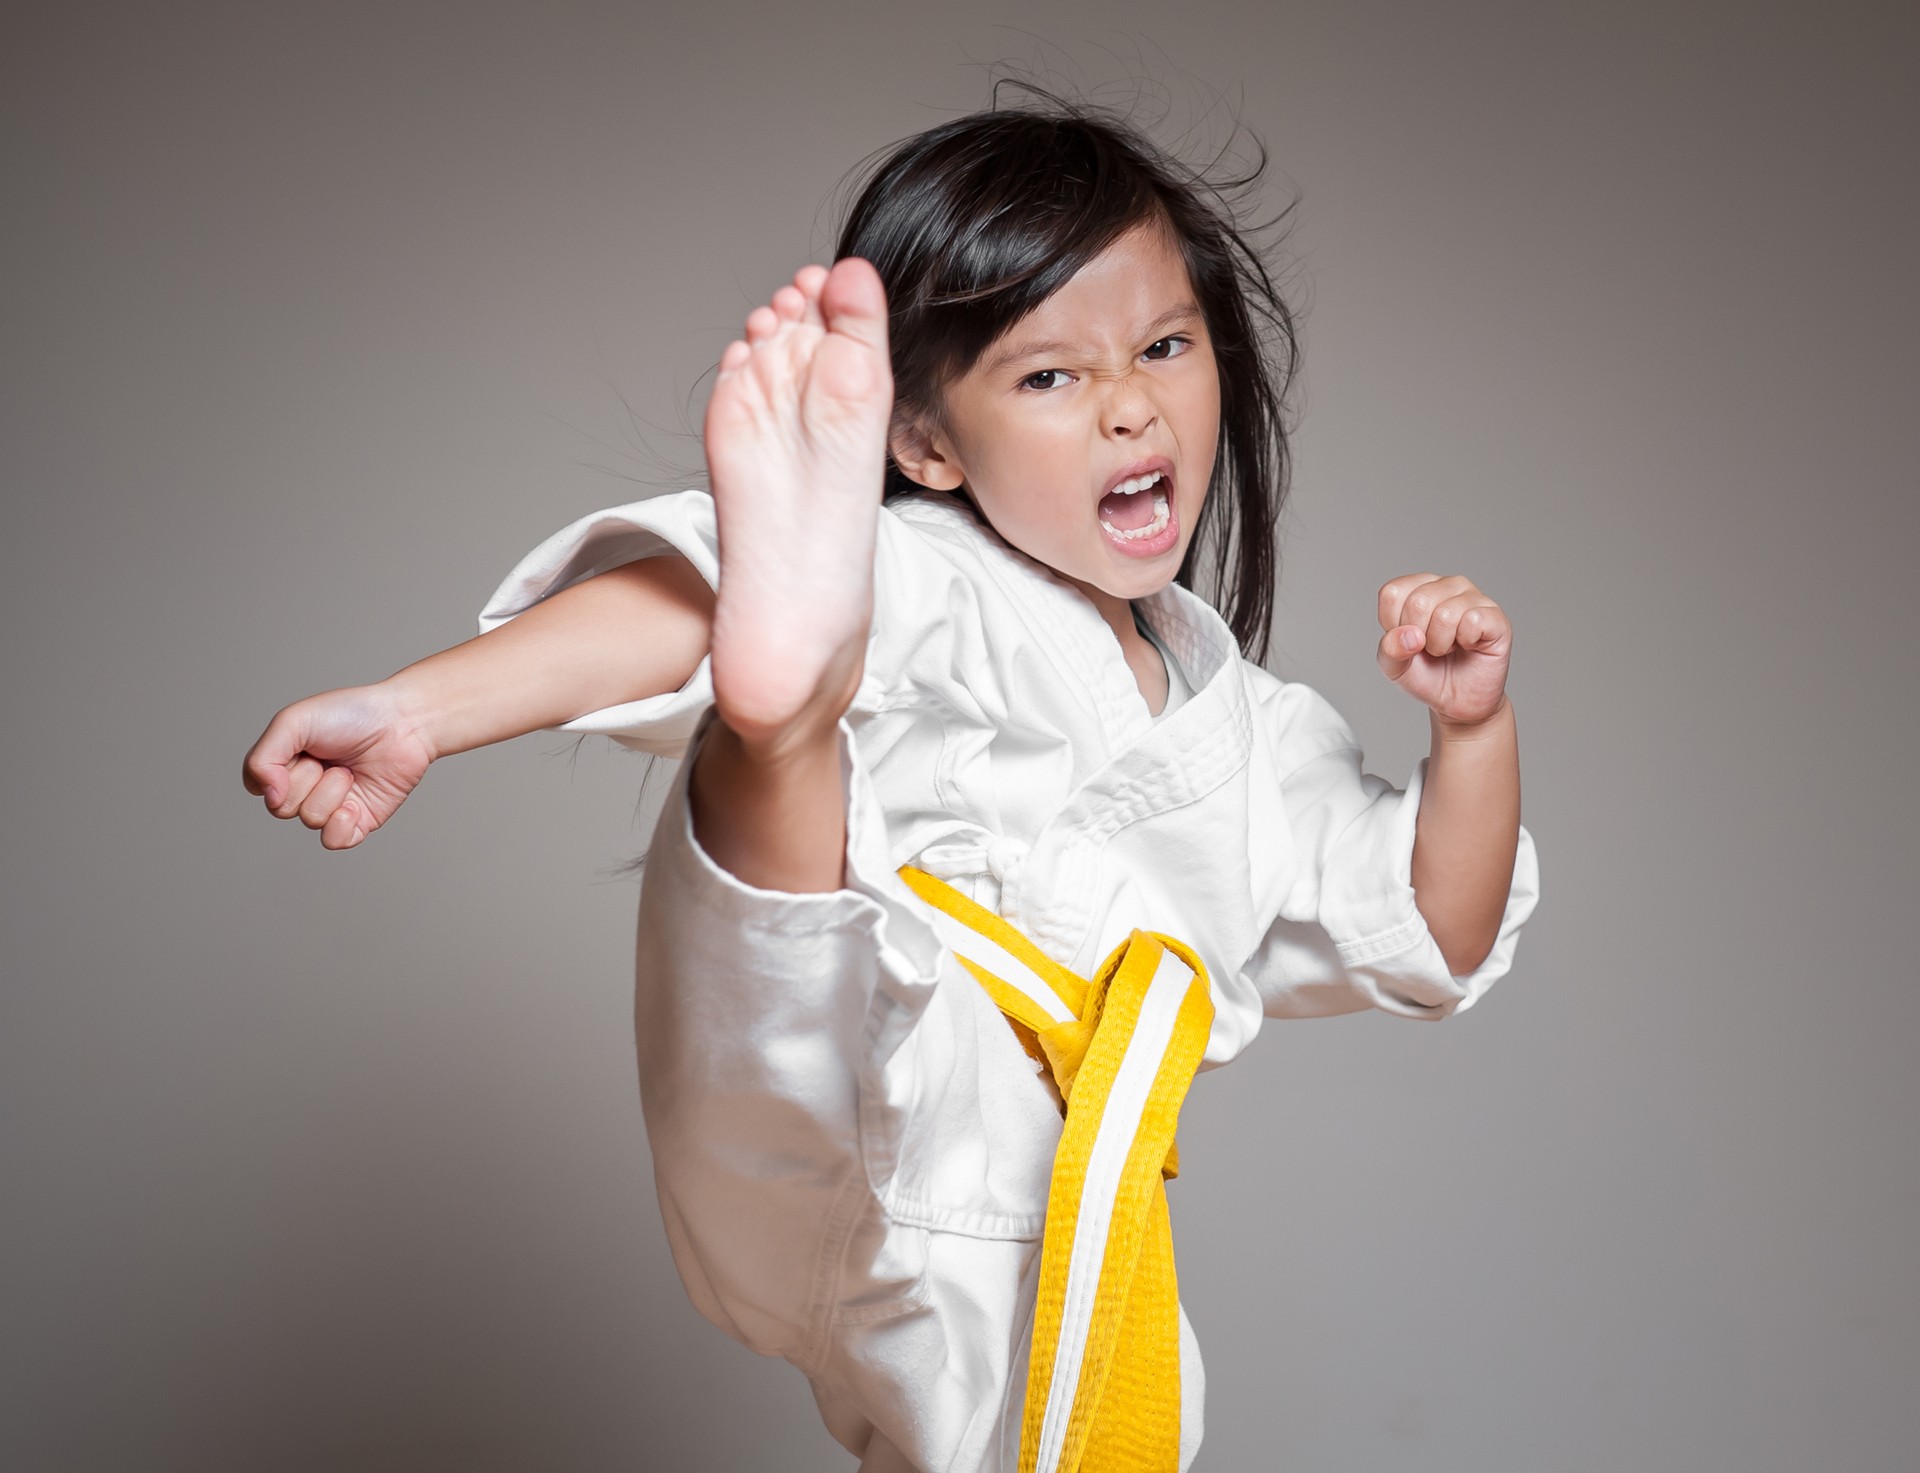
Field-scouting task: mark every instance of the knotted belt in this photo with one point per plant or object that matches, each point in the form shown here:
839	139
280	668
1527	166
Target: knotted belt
1103	1378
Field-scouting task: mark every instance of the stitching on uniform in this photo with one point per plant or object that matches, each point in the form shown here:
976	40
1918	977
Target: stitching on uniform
830	1265
1007	1226
1382	944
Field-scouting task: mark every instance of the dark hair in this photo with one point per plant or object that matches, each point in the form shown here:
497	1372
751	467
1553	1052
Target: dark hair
975	223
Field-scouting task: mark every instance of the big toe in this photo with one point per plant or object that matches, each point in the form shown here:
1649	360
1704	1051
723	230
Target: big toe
855	302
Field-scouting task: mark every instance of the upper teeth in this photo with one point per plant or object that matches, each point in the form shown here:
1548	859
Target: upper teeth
1138	483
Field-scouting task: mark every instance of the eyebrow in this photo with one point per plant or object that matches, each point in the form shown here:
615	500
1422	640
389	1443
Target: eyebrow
1006	357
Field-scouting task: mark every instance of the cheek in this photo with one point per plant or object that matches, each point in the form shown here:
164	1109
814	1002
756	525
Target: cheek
1207	394
1201	419
1022	468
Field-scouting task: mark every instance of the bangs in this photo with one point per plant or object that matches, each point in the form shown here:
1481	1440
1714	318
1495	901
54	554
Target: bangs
977	228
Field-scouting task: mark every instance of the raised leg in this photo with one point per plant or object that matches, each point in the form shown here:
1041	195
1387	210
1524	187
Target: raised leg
796	446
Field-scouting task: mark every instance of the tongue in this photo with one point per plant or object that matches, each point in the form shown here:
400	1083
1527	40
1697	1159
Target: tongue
1127	510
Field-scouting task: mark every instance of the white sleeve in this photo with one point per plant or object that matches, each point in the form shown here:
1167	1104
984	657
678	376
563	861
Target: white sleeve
681	522
1348	934
763	1022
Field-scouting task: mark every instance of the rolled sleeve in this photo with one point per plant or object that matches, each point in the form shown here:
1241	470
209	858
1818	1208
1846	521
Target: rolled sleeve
681	522
1349	933
1366	901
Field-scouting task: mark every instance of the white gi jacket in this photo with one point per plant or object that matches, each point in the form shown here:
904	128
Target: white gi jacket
851	1148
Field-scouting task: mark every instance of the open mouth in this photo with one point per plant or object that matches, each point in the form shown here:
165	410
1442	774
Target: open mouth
1139	507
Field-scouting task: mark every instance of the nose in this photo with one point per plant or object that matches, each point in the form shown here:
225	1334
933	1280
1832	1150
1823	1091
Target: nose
1128	410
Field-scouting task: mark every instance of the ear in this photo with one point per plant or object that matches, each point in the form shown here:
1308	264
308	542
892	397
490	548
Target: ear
925	455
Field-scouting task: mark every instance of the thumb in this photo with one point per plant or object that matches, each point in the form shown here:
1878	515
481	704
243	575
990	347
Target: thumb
1397	648
264	770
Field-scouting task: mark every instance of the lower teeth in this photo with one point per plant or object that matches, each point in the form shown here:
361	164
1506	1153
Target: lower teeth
1158	524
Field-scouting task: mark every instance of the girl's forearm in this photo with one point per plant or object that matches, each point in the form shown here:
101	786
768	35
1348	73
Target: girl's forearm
634	631
1467	834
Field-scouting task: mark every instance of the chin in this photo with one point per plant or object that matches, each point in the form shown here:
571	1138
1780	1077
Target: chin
1143	582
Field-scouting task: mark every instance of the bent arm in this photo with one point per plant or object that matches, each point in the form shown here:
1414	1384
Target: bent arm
1467	835
1352	930
634	631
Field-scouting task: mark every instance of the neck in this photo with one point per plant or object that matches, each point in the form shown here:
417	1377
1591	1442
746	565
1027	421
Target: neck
1149	670
1117	611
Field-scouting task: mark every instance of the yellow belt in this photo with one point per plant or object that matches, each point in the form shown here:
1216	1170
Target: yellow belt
1103	1378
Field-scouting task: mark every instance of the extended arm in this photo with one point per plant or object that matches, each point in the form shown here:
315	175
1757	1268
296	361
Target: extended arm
343	761
634	631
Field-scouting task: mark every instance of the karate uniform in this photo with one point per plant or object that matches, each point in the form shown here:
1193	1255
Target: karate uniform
852	1149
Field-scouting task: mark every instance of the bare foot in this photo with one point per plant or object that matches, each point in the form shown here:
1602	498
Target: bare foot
796	446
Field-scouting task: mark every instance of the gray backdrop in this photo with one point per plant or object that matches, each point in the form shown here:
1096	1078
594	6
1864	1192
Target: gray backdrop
316	317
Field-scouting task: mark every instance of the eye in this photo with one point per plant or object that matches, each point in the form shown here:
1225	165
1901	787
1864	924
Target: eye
1036	380
1175	346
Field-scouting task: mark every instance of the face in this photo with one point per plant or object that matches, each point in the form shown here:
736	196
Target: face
1086	433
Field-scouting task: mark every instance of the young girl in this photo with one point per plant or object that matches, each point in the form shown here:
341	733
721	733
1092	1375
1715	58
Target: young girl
988	833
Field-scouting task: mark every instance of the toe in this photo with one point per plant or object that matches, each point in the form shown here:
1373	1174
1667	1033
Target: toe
789	303
808	281
761	322
736	354
854	302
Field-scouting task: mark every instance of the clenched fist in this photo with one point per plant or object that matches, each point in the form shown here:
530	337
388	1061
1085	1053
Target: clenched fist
341	762
1447	645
